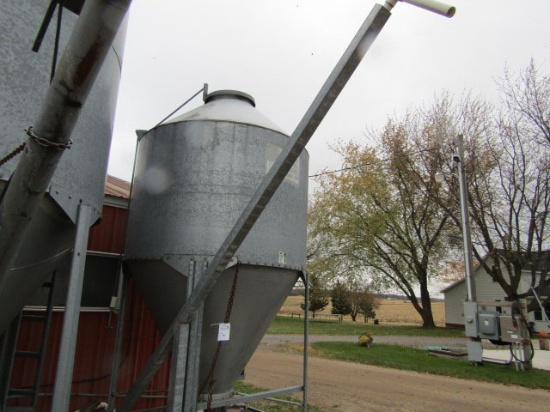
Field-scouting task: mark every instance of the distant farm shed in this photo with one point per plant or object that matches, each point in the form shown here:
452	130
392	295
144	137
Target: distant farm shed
487	290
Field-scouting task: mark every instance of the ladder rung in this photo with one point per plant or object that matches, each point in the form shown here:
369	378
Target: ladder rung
20	409
38	318
21	392
27	354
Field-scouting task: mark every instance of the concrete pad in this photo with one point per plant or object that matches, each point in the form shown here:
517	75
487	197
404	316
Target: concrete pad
541	360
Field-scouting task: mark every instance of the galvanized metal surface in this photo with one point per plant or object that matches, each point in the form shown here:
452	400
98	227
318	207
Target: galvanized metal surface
313	117
65	365
81	172
305	373
260	293
117	355
180	349
249	398
219	109
46	254
193	178
465	219
184	371
193	365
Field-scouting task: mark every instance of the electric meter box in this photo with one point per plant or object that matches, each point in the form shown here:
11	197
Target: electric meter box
509	329
488	324
470	319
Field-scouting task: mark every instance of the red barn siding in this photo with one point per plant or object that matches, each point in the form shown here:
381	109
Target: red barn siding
94	356
108	235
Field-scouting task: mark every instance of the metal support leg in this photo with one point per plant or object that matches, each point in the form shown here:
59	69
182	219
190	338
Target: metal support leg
193	362
306	341
192	383
180	348
118	344
178	368
186	356
65	364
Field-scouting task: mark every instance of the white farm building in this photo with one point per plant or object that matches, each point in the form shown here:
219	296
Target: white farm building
487	290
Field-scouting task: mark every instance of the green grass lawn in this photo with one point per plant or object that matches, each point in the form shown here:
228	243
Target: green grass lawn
400	357
286	325
406	358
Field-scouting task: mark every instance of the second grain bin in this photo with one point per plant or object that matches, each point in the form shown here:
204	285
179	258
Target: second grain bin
193	178
25	77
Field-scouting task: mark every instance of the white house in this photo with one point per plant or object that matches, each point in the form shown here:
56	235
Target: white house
490	291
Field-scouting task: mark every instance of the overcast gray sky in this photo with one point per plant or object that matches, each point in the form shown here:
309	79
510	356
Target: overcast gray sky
281	52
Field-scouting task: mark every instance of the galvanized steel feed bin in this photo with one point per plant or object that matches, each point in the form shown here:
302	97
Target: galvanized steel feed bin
193	178
80	175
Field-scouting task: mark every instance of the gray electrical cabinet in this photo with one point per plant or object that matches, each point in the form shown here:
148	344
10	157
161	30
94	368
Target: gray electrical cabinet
488	325
470	319
509	328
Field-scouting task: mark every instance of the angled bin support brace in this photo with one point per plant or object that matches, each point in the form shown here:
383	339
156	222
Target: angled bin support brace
307	126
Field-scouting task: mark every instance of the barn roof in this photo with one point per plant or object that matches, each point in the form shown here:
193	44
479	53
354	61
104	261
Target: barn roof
452	285
117	187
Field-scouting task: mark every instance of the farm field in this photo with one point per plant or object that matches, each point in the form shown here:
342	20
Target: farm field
393	311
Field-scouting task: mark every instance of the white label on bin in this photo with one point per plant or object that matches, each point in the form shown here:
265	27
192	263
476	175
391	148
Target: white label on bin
224	331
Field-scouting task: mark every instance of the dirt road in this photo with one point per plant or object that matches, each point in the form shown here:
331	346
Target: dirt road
349	387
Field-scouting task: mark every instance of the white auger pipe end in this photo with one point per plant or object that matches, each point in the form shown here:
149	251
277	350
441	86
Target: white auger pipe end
433	6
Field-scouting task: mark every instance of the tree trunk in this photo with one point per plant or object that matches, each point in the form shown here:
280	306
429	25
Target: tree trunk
426	310
427	319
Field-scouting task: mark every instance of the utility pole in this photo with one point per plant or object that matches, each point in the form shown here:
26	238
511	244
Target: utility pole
475	351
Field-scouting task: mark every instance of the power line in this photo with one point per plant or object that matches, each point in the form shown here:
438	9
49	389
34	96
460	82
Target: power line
328	172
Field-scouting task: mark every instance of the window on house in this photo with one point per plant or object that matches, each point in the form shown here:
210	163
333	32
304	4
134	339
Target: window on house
538	313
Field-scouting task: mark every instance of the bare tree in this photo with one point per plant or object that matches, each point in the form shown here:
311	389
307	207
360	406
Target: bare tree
527	98
508	168
510	203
